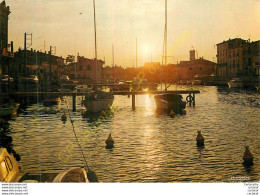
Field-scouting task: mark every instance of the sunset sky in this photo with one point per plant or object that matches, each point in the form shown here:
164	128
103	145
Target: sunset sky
68	25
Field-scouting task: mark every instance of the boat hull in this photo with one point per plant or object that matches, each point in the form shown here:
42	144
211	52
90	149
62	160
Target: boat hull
9	110
98	105
52	101
168	103
235	84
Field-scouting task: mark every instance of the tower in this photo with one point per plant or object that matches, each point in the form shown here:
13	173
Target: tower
4	13
192	55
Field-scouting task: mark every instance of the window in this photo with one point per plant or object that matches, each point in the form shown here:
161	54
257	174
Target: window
234	63
80	67
190	68
233	53
200	68
88	67
249	62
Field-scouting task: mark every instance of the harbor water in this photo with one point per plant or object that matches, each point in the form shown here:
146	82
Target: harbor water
149	147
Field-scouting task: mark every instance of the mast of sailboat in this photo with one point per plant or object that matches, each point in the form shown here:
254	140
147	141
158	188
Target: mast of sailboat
136	52
165	39
165	35
95	43
164	43
113	65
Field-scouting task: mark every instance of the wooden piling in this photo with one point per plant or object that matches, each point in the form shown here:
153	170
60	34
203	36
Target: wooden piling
133	101
193	99
74	103
190	99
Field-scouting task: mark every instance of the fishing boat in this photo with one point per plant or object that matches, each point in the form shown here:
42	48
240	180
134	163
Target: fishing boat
97	100
9	109
235	83
168	102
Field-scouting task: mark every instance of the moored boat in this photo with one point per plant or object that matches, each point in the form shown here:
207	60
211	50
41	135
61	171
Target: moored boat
168	102
9	109
235	83
196	82
52	101
83	88
98	101
10	172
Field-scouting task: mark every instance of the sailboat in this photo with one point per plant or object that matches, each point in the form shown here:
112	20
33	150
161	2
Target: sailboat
97	100
168	102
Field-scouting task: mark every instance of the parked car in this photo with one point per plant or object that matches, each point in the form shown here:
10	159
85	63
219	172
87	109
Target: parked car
64	78
5	78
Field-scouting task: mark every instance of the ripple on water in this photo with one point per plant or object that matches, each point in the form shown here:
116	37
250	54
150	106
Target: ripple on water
148	147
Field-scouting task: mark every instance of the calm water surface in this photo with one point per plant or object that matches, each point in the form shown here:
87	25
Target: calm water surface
148	147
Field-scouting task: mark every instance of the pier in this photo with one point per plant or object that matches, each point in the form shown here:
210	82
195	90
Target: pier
190	98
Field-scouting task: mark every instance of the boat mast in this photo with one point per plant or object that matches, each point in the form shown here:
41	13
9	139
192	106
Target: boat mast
136	52
165	33
95	41
113	66
164	56
165	38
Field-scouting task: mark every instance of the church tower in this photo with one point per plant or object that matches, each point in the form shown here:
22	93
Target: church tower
192	55
4	13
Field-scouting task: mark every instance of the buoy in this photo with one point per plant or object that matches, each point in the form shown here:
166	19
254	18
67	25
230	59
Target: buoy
248	157
109	142
172	114
200	139
92	177
183	112
64	117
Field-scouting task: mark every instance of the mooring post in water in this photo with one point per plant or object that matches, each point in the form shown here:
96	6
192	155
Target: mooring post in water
74	103
193	99
133	101
190	99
